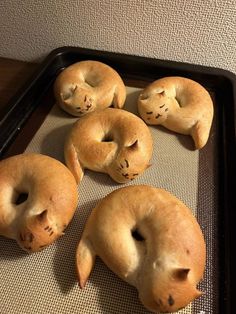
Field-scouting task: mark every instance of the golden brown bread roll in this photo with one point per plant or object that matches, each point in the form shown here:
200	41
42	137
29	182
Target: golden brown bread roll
87	86
38	198
179	104
111	141
151	240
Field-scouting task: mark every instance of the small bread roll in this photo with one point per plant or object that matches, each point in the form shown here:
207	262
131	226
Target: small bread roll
111	141
38	198
151	240
88	86
179	104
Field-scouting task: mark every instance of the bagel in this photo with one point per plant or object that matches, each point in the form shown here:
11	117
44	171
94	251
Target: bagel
151	240
179	104
111	141
38	198
87	86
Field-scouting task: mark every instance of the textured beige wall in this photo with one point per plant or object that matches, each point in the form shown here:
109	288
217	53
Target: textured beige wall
201	31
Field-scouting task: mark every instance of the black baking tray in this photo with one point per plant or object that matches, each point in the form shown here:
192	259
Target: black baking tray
17	123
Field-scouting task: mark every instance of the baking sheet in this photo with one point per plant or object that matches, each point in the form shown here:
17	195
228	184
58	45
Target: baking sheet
45	282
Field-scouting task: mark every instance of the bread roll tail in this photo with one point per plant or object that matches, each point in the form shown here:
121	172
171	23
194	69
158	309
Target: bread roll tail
85	259
72	162
200	133
119	98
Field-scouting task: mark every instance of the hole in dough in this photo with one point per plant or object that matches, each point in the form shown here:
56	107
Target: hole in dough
178	101
88	82
108	138
21	198
137	235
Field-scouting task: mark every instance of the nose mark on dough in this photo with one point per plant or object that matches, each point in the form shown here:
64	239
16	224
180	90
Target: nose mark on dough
31	237
170	300
126	175
159	115
21	237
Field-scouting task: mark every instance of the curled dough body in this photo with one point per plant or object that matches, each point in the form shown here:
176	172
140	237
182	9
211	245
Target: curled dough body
50	200
179	104
150	239
87	86
111	141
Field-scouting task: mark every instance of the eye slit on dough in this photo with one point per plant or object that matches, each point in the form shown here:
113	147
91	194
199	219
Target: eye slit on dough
149	112
20	198
137	235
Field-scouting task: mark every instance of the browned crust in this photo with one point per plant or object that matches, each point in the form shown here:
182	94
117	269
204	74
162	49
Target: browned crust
111	141
179	104
88	86
51	199
169	262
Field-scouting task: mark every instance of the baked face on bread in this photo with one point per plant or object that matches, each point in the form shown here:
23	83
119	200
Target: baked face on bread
179	104
38	198
88	86
110	141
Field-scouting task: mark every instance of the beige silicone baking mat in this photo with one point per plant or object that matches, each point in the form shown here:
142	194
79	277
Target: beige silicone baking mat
45	282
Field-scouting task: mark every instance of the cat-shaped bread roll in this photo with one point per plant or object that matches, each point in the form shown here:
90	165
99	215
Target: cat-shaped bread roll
151	240
38	198
87	86
179	104
111	141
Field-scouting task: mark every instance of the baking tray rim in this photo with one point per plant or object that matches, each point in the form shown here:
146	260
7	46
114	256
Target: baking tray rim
228	154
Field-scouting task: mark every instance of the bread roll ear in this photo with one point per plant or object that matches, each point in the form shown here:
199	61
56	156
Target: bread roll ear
160	91
133	145
143	97
42	217
85	259
180	274
38	220
72	162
